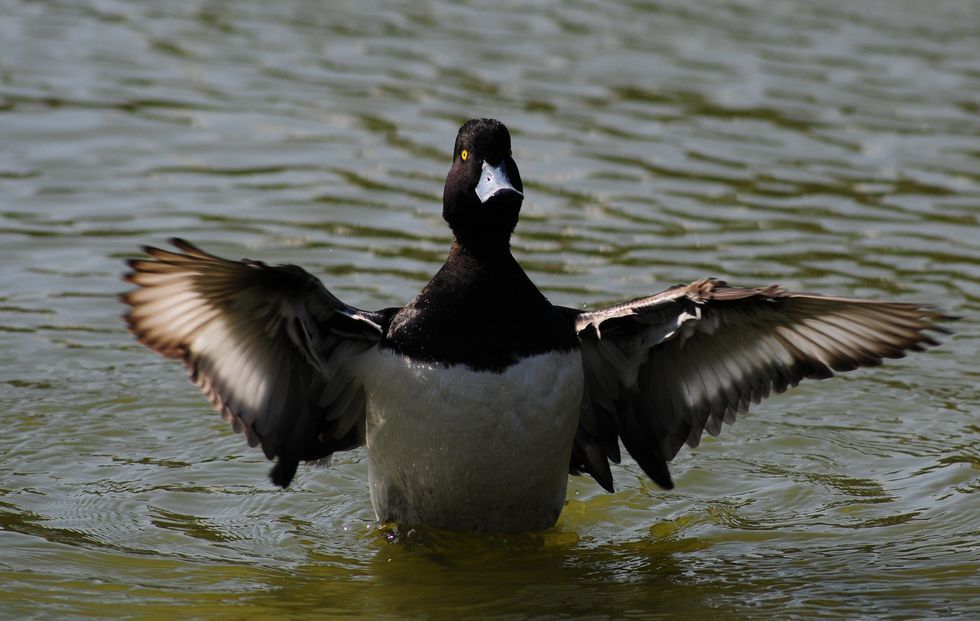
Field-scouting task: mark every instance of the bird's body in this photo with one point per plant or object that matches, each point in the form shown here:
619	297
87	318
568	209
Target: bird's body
474	450
485	437
478	398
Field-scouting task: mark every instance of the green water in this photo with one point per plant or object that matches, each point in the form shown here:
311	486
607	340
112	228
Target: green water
829	146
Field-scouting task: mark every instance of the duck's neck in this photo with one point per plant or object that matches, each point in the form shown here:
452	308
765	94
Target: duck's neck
484	252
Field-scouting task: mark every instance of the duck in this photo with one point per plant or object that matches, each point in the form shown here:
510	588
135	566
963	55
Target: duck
479	398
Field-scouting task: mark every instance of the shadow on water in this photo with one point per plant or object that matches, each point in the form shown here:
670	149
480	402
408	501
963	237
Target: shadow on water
424	573
456	575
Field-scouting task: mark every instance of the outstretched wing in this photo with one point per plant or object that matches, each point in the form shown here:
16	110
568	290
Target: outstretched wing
266	344
661	370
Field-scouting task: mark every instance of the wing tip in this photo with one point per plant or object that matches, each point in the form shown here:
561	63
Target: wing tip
182	244
283	472
605	480
655	467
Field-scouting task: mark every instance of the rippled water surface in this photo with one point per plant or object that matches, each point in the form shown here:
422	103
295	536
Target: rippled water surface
830	146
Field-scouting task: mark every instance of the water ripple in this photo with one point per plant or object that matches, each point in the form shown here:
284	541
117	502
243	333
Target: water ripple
826	146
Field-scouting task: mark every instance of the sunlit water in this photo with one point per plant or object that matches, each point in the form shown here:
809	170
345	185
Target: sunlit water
826	146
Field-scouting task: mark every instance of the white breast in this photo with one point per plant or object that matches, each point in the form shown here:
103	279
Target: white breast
463	449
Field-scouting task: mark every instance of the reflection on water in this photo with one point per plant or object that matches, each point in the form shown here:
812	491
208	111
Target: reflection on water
828	147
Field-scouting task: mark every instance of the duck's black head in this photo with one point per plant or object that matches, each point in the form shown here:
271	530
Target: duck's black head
483	194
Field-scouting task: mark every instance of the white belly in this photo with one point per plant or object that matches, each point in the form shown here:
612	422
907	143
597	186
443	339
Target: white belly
460	449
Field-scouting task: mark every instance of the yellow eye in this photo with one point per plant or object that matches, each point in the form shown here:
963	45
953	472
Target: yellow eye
464	154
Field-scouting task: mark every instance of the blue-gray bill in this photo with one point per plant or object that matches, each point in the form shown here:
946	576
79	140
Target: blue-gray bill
494	181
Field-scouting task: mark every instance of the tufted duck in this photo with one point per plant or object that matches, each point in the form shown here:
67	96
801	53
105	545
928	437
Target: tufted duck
477	399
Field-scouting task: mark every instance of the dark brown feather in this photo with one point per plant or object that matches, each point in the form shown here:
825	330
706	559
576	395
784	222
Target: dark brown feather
662	370
265	344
